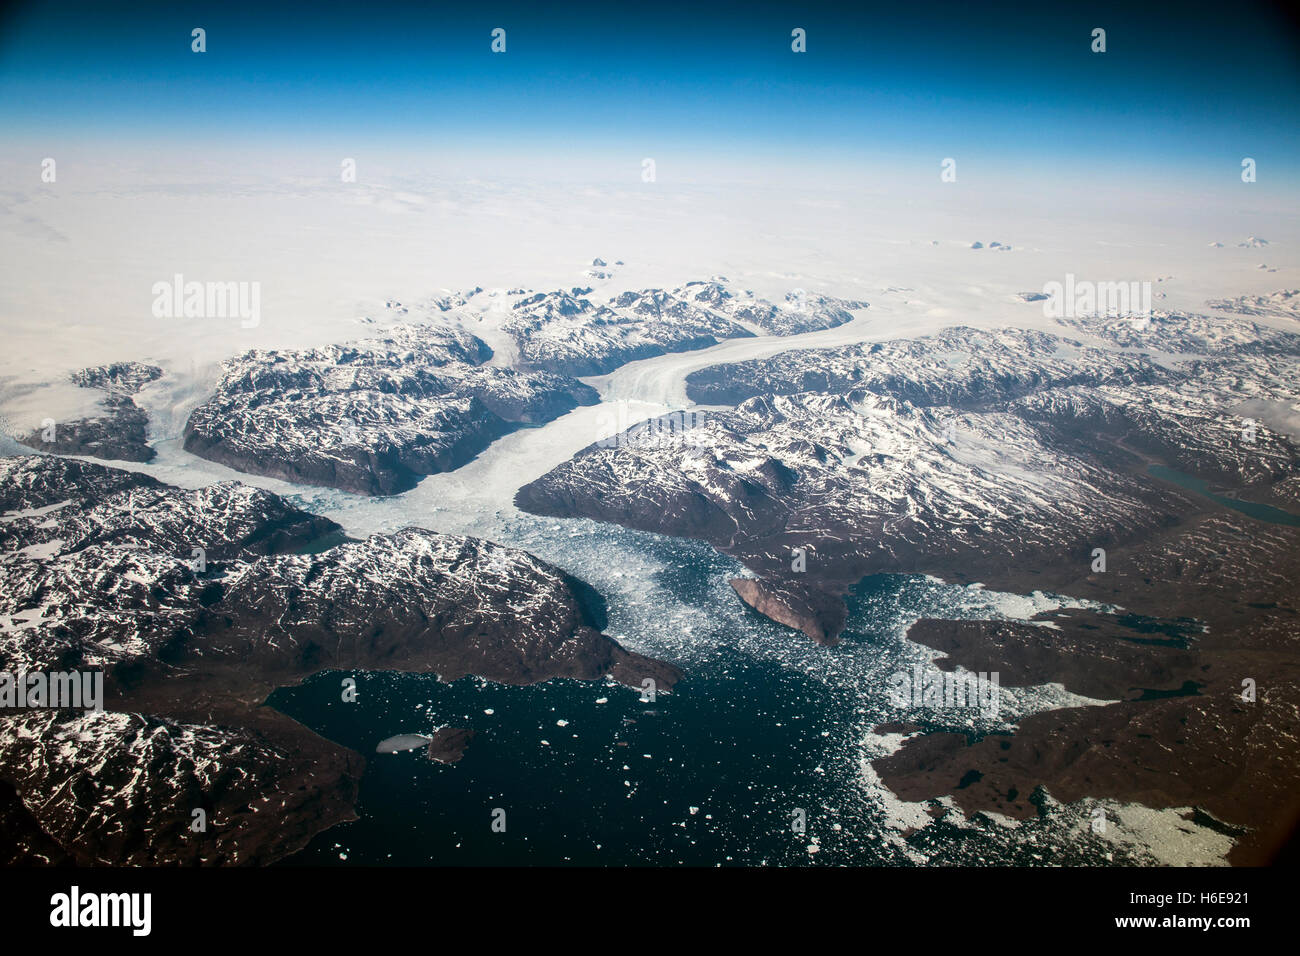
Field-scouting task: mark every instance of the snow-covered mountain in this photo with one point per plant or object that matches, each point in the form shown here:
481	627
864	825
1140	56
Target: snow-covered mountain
568	332
119	432
1284	303
966	453
959	366
100	567
195	606
373	416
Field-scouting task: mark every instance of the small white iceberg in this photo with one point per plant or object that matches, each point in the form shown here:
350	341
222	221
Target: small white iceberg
402	742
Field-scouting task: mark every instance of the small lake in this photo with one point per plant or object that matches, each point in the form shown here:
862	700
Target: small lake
1249	508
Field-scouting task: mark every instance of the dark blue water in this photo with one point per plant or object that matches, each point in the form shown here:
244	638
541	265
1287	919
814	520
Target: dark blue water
736	741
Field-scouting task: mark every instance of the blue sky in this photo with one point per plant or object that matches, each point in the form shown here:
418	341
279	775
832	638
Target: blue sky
1001	83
